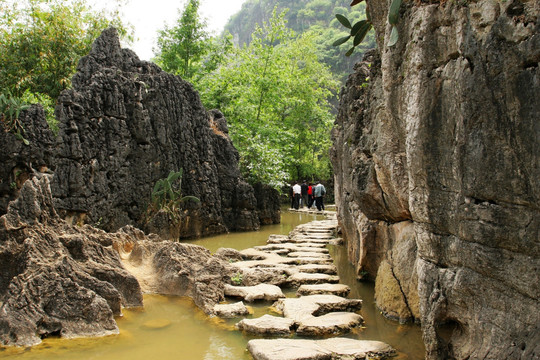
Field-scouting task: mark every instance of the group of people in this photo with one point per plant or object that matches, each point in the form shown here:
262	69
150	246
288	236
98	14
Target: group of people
307	194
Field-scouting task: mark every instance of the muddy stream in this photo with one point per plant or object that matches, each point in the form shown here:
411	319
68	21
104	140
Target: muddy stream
173	328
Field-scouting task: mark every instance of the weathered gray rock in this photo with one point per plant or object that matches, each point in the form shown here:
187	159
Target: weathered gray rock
332	323
231	310
301	278
332	289
436	167
18	161
173	268
268	204
229	254
306	307
57	279
126	124
329	269
258	292
328	349
266	325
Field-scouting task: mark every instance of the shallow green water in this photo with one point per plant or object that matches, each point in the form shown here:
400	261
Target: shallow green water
173	328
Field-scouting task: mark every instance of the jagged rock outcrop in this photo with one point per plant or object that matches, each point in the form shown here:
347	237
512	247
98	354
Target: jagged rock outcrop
56	279
59	279
126	124
19	161
436	156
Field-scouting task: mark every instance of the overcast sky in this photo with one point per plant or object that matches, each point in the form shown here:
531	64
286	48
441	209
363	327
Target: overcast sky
148	16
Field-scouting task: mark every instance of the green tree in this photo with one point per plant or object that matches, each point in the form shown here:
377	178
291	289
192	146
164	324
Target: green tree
41	42
275	94
181	47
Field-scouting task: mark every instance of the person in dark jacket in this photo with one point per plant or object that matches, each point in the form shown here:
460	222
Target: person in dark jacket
304	188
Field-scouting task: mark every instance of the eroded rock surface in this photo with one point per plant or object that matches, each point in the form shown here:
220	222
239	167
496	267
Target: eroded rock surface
328	349
124	125
59	279
231	310
436	171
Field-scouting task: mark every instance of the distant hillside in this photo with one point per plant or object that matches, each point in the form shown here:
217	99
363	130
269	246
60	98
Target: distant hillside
306	15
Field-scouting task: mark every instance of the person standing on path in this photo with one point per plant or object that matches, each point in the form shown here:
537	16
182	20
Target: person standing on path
310	196
304	187
318	192
297	191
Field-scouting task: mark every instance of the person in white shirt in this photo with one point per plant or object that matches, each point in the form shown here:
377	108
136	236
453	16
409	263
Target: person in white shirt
297	194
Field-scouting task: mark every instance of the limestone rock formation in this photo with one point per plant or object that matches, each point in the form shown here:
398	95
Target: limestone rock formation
59	279
17	160
56	279
436	160
173	268
125	125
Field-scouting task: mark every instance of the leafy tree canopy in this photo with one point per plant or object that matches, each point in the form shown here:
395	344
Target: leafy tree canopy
181	47
316	16
41	42
274	93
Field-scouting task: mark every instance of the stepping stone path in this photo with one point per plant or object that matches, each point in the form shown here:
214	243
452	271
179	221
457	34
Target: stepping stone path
321	309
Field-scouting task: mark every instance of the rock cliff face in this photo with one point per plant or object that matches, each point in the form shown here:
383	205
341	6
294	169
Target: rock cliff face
437	160
18	161
126	124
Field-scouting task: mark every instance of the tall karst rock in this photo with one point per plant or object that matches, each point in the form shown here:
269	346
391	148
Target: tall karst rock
126	124
437	162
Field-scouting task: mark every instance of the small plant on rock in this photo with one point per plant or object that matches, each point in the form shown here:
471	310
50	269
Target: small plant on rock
167	196
10	109
237	278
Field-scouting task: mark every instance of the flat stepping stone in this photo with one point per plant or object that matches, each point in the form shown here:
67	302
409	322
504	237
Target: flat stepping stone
328	349
266	325
312	278
257	292
315	289
329	269
266	275
231	310
332	323
311	240
309	254
307	260
314	305
289	247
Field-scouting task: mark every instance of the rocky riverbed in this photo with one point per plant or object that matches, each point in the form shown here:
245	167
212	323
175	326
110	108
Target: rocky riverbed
320	310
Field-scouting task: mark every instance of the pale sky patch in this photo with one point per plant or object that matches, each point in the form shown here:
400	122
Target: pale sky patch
147	17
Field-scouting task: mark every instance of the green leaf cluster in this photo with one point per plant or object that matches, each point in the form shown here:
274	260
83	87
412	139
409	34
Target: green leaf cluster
315	16
167	196
359	30
167	192
182	46
41	42
10	109
275	94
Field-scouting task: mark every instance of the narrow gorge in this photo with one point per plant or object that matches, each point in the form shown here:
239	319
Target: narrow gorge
436	162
